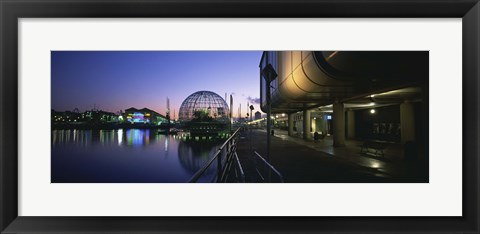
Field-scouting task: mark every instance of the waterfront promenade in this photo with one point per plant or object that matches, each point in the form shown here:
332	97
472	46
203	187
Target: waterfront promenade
302	161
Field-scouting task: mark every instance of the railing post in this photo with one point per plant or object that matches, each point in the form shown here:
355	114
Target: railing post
267	173
226	149
219	167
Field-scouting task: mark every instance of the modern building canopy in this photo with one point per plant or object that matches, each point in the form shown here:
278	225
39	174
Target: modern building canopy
308	79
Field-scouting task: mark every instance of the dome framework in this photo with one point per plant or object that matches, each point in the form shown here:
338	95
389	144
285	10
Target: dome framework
204	101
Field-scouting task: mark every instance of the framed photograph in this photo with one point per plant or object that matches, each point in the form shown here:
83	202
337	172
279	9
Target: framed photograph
207	116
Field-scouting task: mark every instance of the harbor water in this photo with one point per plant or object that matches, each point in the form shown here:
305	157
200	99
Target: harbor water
128	156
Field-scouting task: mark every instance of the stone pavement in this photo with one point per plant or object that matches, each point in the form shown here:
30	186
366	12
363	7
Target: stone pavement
308	161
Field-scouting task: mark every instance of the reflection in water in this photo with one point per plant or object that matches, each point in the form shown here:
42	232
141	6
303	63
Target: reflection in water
120	136
78	137
166	144
193	155
107	137
138	137
127	156
134	137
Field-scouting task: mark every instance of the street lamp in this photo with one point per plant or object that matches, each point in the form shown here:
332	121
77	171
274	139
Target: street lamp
251	109
269	75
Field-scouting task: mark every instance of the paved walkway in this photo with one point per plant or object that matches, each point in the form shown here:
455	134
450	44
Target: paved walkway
302	161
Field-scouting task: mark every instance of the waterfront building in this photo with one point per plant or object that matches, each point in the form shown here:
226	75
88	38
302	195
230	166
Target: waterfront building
65	117
99	116
359	95
144	116
92	116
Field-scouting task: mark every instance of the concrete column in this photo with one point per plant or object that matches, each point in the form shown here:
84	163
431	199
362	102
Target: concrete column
321	124
314	124
306	124
351	124
290	124
407	122
338	124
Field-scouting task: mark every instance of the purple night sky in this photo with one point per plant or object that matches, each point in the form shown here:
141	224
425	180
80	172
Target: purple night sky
117	80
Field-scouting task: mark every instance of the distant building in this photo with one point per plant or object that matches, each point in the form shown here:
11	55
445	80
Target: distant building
65	117
258	115
98	116
91	117
144	116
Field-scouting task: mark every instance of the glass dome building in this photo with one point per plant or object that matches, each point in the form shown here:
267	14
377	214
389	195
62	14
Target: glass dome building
205	102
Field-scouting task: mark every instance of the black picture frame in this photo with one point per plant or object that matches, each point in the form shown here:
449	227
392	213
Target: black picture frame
11	11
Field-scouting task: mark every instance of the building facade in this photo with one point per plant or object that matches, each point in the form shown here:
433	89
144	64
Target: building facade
363	95
143	116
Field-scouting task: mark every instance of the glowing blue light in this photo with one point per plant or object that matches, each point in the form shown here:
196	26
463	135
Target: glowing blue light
137	118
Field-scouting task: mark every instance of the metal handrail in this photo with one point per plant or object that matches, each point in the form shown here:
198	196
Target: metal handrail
240	168
270	166
200	172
